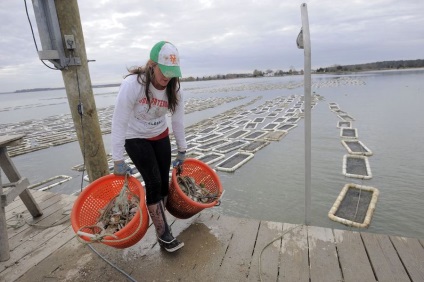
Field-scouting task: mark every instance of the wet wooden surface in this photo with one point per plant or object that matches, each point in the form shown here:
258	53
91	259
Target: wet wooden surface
217	248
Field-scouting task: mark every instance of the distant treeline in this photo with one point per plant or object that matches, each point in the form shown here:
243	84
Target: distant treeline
385	65
61	88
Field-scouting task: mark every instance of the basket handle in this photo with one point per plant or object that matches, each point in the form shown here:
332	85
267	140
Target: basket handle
218	202
81	233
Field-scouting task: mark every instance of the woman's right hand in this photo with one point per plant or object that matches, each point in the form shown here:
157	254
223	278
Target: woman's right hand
121	168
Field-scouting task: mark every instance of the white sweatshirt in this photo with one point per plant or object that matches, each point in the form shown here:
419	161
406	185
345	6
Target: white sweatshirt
133	119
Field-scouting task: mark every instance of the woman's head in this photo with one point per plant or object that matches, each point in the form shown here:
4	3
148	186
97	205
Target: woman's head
162	70
166	55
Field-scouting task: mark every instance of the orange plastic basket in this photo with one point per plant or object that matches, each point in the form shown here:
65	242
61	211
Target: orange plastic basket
96	196
179	204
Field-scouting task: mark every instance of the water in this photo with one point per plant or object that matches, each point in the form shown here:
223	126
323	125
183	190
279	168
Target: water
387	107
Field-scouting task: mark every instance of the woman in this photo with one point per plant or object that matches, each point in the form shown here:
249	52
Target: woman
139	126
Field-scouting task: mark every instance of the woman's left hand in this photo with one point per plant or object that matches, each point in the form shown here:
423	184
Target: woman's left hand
179	160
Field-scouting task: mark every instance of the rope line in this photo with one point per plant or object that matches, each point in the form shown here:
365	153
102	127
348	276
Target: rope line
268	244
21	221
111	264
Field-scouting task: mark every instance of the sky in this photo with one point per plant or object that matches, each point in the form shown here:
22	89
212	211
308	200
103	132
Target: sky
216	37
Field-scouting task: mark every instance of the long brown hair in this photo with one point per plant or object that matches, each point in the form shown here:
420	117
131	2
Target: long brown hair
145	75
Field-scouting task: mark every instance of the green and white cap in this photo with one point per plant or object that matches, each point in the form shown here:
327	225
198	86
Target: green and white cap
167	57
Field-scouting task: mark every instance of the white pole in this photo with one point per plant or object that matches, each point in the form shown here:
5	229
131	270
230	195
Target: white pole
307	94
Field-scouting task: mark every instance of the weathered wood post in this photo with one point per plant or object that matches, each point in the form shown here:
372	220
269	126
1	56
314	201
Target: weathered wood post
79	90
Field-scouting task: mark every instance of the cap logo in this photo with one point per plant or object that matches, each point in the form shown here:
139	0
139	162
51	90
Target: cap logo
173	59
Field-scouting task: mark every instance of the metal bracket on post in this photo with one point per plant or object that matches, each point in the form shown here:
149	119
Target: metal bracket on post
50	35
299	40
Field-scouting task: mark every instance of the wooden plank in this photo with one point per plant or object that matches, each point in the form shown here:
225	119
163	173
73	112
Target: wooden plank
10	212
198	260
353	257
237	259
31	259
384	259
268	267
24	249
45	204
323	259
48	206
208	238
294	265
54	215
411	253
67	262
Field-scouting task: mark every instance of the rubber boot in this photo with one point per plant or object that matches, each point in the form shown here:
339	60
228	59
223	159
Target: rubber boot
165	200
163	231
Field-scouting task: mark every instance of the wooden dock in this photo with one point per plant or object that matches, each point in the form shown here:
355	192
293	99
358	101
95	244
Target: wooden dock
217	248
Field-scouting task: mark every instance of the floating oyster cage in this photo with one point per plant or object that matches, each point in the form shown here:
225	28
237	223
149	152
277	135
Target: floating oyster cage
194	155
210	158
276	135
226	129
355	205
271	126
238	134
292	120
345	117
280	120
356	147
230	146
50	182
287	126
251	125
242	122
254	146
255	135
349	133
191	137
356	166
259	120
190	147
208	130
209	146
234	162
208	137
228	122
344	124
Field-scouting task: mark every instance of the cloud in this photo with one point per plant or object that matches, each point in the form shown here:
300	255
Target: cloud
216	37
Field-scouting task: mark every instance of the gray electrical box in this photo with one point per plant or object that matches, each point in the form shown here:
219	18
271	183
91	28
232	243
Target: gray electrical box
50	35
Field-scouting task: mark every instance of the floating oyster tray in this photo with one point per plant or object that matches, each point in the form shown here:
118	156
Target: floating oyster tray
355	205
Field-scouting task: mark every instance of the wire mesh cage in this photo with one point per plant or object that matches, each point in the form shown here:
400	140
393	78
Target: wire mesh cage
96	196
181	205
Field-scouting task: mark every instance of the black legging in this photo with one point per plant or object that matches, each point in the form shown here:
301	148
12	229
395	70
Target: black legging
152	159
